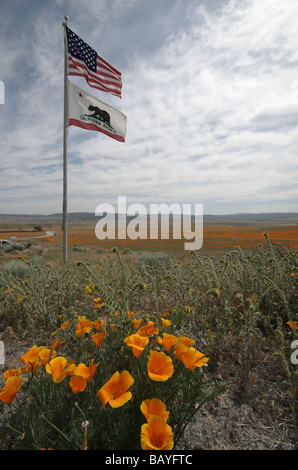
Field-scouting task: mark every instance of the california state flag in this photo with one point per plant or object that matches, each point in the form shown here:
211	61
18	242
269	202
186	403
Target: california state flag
88	112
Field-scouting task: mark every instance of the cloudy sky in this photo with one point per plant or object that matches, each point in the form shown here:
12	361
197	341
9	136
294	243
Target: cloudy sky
210	91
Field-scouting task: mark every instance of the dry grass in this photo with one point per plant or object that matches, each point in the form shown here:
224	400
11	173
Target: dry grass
253	417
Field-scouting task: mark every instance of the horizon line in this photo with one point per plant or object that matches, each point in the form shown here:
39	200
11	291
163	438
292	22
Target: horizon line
161	213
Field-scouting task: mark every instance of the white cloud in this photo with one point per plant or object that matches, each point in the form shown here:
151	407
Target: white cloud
211	109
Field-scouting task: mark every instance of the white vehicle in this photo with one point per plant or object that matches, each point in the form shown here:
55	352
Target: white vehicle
5	242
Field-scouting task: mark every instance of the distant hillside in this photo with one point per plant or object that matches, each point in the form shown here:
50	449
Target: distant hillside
81	217
286	217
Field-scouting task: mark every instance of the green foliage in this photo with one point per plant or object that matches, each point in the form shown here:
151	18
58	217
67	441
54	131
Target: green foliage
79	248
101	251
18	246
15	269
232	306
154	260
127	251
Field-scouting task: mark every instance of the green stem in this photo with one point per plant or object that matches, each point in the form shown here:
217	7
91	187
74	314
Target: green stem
15	430
81	411
57	429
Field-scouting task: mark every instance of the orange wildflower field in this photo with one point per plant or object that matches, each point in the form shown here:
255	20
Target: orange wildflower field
216	237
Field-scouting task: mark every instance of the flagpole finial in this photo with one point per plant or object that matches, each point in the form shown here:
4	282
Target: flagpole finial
66	18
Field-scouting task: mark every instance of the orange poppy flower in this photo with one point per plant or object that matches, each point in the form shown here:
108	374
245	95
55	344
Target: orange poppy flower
154	407
115	389
98	324
31	358
156	434
180	349
151	329
57	344
97	304
168	341
11	373
160	367
97	338
12	386
59	368
166	314
136	343
77	383
190	357
148	330
186	340
64	325
86	372
293	324
46	355
166	323
83	326
137	323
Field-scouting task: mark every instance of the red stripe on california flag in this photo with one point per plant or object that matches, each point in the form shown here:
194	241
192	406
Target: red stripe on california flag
93	127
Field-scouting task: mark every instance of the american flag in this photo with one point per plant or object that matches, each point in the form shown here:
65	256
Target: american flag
84	61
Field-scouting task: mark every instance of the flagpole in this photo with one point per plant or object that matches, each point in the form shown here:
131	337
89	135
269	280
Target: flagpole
65	134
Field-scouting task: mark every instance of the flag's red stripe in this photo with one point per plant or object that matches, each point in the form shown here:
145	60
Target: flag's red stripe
103	66
98	75
96	85
80	69
108	65
105	73
93	127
